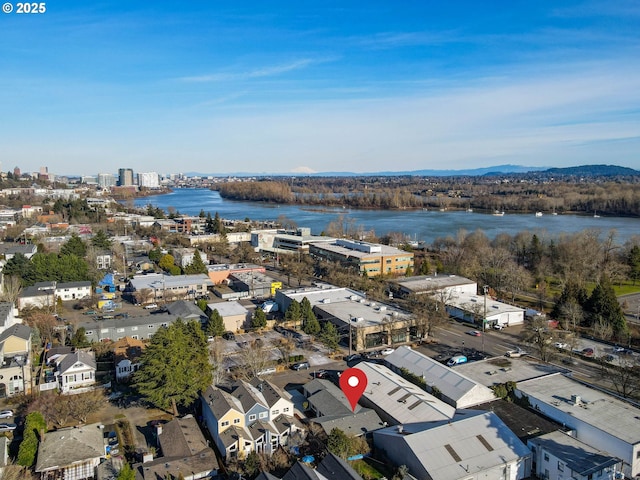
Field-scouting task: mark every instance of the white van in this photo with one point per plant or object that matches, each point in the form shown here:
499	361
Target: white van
457	360
266	371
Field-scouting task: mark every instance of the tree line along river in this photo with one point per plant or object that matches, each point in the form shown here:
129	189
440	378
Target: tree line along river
419	225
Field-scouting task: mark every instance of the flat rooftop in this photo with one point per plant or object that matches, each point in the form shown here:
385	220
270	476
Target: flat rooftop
599	409
426	283
323	293
385	250
363	313
468	302
494	371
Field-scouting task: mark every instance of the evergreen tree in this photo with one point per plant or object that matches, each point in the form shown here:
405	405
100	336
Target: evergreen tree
218	226
259	319
209	226
330	337
202	214
18	266
215	325
425	268
293	313
603	306
338	443
175	366
101	240
155	254
74	246
126	472
310	324
196	266
571	293
79	338
202	305
34	424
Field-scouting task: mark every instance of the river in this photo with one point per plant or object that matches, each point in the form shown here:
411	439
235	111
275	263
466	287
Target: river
420	225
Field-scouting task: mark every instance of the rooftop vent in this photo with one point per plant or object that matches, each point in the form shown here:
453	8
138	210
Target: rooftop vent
576	400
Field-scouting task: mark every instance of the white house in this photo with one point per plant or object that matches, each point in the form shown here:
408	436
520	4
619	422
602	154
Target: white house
472	308
126	356
473	445
76	370
558	455
73	290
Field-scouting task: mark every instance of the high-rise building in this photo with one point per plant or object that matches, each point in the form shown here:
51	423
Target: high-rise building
125	177
149	180
106	180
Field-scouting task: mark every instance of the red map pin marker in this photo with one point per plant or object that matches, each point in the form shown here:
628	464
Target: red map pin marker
353	381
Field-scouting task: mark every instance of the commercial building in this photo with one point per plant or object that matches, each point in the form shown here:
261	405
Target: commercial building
596	418
125	177
444	286
286	241
473	308
368	259
156	287
149	180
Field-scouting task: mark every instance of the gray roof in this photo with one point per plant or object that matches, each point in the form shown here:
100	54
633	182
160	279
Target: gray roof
300	471
578	456
266	476
156	318
71	359
220	402
232	435
430	283
160	281
181	437
66	446
400	399
5	312
328	399
17	330
462	391
283	423
248	395
4	451
471	443
73	284
39	289
271	393
333	467
186	310
360	423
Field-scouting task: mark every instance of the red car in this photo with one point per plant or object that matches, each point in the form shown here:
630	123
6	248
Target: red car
474	333
588	352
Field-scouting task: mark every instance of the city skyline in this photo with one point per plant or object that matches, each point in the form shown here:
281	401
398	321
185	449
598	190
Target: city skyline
226	87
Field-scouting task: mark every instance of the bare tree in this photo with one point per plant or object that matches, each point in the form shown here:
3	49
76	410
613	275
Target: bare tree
216	358
623	374
285	346
536	333
12	288
84	404
572	315
254	358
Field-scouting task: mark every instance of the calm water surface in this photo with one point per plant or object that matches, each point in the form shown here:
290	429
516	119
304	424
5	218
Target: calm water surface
418	224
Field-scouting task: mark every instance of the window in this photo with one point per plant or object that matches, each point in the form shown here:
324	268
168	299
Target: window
236	421
120	330
225	423
276	412
135	337
263	415
560	466
285	409
150	327
546	457
252	417
134	328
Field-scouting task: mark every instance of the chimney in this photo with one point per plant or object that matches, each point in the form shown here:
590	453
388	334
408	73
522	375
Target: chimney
576	400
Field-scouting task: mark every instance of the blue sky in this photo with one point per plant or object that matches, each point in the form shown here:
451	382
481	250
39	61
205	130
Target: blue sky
278	87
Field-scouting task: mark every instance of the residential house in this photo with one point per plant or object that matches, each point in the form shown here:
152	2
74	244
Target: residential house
331	467
472	445
184	256
185	453
234	315
71	453
9	250
240	419
4	454
75	371
156	287
104	259
126	356
187	310
332	410
45	294
15	358
140	327
558	455
453	387
68	291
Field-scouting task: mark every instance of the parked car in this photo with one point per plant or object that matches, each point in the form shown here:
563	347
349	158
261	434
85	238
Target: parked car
560	345
151	306
321	374
457	360
515	353
352	357
619	349
6	413
498	326
300	366
474	333
90	312
7	427
387	351
228	336
588	352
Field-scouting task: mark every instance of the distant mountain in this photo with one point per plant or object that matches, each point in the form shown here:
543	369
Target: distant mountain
593	171
583	170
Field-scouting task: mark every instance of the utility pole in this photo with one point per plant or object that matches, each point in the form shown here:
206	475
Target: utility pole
484	319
